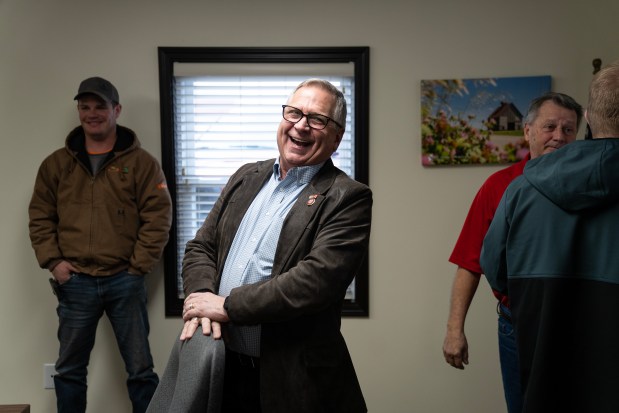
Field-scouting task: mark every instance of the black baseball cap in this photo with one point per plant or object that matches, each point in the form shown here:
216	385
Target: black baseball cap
100	87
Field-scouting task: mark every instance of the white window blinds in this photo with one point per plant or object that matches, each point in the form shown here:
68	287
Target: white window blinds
223	122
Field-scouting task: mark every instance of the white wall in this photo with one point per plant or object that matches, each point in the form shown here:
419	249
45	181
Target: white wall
48	47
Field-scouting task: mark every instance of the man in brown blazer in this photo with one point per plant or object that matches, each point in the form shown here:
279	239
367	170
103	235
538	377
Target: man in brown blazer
270	266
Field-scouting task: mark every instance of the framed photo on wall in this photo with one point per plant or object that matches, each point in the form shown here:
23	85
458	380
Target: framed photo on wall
476	121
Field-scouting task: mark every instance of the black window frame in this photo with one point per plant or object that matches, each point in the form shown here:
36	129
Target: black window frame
167	56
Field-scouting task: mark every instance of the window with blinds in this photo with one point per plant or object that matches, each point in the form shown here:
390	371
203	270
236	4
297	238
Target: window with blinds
223	122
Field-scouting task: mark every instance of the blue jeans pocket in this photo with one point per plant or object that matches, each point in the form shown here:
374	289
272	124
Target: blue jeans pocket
505	327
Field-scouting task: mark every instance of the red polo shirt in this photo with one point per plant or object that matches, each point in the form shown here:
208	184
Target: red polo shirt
468	247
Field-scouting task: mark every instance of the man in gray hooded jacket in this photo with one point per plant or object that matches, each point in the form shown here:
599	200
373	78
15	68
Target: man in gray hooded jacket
553	244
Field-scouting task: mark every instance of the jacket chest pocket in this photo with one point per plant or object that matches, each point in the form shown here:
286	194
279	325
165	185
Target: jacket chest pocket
125	221
115	193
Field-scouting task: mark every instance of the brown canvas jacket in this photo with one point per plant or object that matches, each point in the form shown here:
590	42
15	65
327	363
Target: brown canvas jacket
118	219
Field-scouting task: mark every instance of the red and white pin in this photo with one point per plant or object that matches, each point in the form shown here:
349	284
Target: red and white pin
312	199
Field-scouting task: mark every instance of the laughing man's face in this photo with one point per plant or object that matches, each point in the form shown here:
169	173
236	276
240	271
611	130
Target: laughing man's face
298	144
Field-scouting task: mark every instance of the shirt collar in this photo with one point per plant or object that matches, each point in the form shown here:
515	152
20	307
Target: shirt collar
300	174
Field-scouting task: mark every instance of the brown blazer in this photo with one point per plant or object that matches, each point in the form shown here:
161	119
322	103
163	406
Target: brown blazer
305	364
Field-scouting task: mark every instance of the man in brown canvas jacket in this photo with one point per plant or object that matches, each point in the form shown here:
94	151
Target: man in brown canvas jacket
100	215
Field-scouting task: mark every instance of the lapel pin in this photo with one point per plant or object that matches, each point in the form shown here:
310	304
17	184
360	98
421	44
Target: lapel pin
312	199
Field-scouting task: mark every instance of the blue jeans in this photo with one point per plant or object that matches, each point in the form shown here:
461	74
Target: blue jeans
81	302
510	369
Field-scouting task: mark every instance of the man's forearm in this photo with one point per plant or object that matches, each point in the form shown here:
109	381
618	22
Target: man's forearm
463	290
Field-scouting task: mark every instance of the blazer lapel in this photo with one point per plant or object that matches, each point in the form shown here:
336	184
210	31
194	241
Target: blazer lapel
301	214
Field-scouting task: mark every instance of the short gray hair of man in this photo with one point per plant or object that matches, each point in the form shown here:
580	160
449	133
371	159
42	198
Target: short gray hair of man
559	99
339	110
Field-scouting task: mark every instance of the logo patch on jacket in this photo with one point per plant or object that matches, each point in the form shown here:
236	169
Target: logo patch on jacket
116	169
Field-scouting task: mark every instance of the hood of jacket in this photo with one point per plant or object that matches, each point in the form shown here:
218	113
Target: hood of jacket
579	176
126	140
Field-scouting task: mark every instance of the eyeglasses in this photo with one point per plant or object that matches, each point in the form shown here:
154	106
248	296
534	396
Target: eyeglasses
314	120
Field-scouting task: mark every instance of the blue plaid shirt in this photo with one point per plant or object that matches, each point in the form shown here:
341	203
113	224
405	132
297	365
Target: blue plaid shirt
252	252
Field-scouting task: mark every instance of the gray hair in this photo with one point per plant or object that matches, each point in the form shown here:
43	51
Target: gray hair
560	99
339	110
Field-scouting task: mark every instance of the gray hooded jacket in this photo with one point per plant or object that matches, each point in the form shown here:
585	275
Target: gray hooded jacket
553	248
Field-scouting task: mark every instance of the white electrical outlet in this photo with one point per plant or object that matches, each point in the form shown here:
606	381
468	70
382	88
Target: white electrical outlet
49	371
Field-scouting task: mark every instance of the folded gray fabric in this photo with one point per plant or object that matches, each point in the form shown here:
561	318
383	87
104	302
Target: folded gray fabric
193	379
